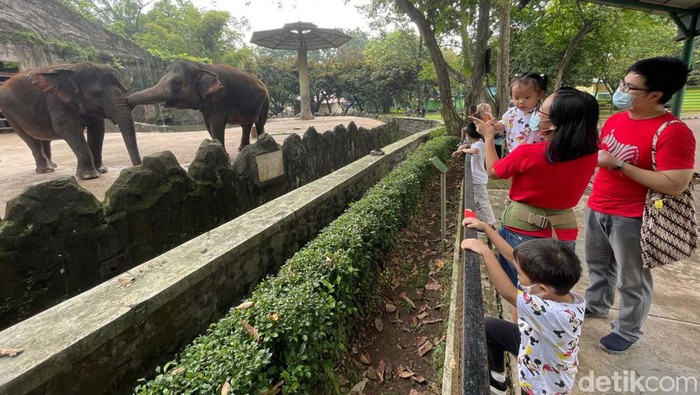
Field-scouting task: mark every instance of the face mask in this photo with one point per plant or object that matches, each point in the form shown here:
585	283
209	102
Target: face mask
534	122
526	288
622	100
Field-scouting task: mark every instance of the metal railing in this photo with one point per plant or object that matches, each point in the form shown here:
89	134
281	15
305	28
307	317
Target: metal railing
475	374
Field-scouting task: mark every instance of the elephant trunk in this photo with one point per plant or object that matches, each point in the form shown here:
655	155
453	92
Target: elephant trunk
120	113
156	94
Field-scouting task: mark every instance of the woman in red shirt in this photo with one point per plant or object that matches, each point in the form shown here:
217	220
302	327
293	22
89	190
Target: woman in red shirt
548	178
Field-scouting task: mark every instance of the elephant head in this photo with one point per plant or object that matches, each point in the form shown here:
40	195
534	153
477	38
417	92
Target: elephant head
95	92
184	85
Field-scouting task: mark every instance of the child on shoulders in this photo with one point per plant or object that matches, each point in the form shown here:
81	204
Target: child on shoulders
527	91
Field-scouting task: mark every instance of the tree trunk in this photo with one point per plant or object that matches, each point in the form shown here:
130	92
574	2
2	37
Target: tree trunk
452	120
478	72
503	67
587	27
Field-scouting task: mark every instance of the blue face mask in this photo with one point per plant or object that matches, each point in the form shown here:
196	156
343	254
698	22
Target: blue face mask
622	100
534	122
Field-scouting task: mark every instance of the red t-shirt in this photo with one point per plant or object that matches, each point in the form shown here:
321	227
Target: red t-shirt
540	183
630	140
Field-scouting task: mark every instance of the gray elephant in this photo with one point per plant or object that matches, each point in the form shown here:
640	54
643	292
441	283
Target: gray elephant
224	95
59	102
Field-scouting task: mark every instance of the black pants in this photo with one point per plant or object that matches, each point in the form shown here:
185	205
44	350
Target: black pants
501	336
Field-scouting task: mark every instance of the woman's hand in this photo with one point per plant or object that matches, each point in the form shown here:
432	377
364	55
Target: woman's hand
485	129
606	159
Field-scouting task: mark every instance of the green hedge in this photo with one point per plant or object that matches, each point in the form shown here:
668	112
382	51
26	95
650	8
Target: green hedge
300	320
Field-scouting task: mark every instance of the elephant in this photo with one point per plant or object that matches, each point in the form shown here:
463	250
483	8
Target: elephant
223	94
59	102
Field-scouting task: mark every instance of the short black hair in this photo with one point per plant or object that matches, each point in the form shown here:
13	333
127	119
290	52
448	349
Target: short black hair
472	108
471	131
662	74
531	78
575	114
549	262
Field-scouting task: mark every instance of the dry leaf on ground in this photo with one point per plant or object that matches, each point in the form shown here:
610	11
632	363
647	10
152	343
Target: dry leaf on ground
359	387
10	352
380	370
378	323
433	286
370	373
125	281
275	389
249	328
366	359
226	388
244	305
421	340
390	308
425	348
407	299
418	378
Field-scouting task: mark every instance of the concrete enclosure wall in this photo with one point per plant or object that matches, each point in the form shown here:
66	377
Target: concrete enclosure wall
58	240
104	339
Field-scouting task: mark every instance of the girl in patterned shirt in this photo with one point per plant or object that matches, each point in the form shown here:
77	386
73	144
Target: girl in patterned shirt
526	90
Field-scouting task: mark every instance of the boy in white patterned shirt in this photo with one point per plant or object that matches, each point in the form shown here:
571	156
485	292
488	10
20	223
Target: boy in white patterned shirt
550	316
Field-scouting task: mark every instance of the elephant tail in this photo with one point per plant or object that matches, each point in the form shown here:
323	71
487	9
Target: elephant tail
262	118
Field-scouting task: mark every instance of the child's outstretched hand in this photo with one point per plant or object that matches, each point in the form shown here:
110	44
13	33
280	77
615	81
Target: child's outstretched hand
475	245
474	223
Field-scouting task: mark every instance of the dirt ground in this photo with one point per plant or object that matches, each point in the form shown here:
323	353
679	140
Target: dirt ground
400	348
17	164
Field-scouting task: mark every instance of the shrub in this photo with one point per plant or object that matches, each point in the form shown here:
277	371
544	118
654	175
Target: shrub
300	320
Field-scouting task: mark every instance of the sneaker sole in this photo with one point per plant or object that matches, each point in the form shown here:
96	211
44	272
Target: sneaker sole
616	352
597	316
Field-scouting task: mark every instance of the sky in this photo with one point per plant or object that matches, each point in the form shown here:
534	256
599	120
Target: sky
265	15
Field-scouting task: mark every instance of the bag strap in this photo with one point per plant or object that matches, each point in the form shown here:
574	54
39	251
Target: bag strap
656	137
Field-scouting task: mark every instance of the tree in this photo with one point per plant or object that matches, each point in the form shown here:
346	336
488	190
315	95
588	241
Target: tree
453	121
123	17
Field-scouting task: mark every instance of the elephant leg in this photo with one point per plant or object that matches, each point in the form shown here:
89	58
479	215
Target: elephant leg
68	127
43	163
217	129
95	140
245	136
46	146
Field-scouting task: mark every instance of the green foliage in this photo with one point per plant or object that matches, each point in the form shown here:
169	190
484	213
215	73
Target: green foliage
302	318
542	32
69	50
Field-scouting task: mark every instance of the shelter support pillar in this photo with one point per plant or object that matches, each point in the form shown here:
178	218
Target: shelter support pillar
687	56
304	84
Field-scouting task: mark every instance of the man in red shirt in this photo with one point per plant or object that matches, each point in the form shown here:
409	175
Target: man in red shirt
615	207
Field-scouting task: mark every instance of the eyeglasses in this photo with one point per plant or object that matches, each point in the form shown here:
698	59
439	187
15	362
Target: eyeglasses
538	109
625	87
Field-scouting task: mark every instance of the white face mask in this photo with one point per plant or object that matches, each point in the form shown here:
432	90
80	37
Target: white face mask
527	288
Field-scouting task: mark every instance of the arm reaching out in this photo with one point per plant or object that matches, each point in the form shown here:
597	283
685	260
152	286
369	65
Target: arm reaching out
499	278
501	244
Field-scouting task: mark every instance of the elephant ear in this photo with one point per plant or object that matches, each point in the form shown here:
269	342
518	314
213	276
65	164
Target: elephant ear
208	83
58	82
